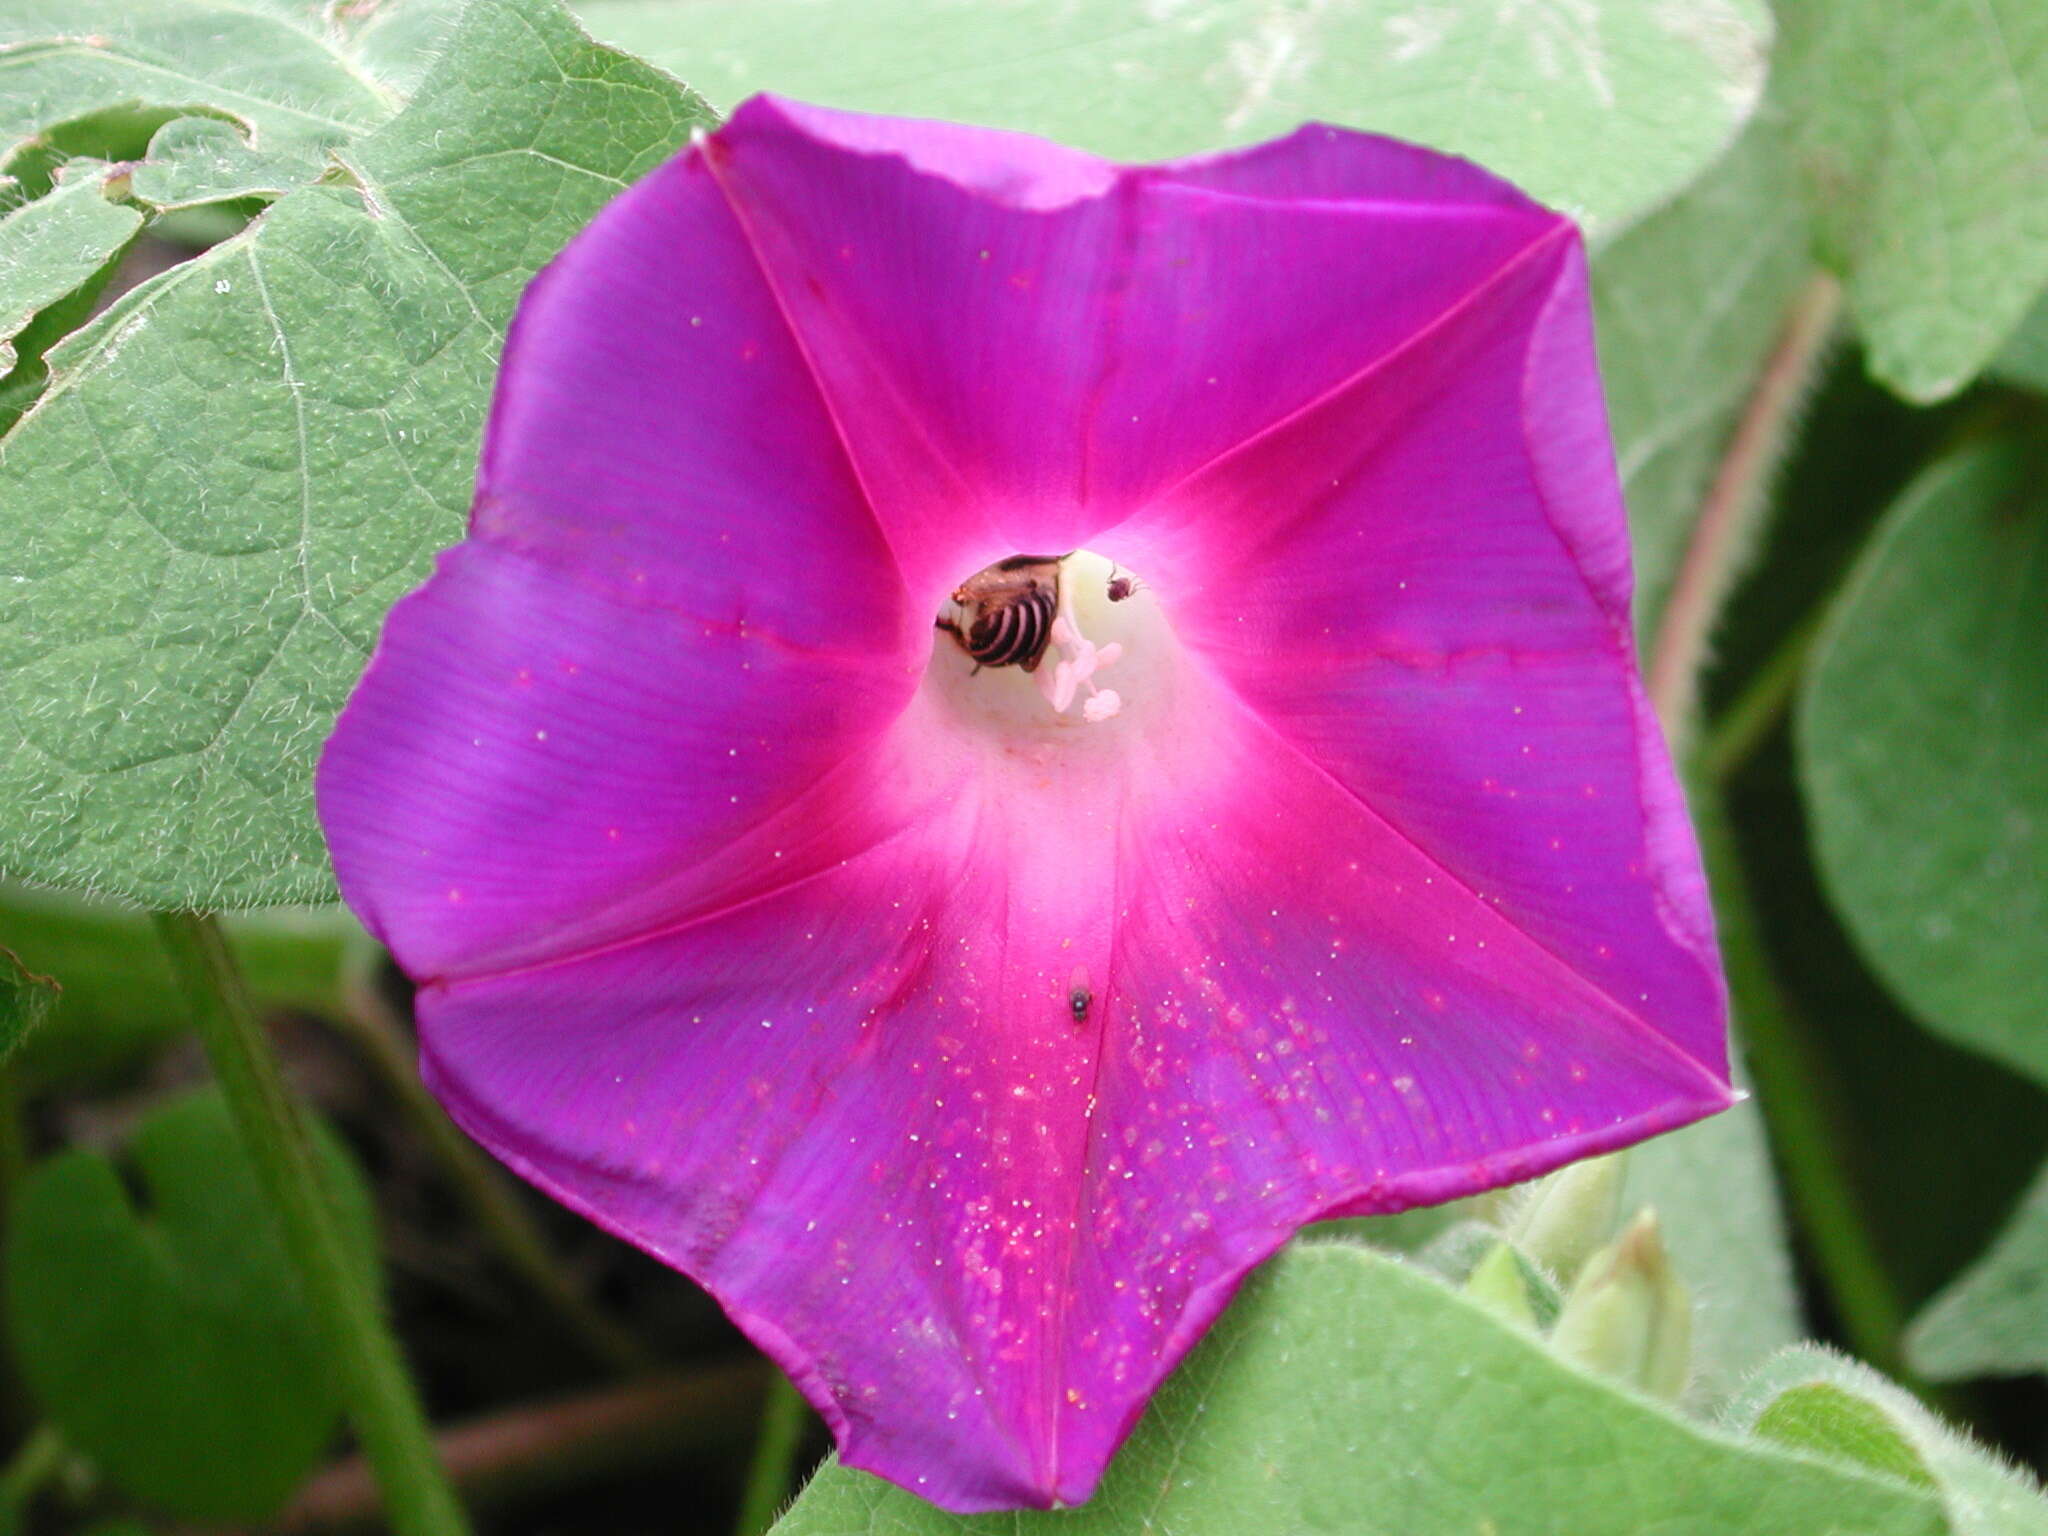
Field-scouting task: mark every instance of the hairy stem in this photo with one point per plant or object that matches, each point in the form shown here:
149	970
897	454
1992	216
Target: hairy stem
482	1188
773	1467
382	1405
1799	1097
1720	537
526	1452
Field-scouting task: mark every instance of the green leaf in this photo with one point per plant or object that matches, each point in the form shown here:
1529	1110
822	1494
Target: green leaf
2025	358
1687	307
1923	752
1603	108
54	246
169	1340
120	1001
1346	1391
26	1000
239	466
1823	1403
1992	1320
1923	130
294	75
196	160
1821	1417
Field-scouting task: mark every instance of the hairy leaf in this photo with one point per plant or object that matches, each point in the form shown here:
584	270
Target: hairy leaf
1923	134
1687	306
1823	1403
54	246
240	465
295	74
1603	108
1346	1391
1833	1421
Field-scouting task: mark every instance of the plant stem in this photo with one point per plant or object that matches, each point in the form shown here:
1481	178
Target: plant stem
526	1451
1802	1107
1720	537
1734	736
1799	1098
381	1402
484	1190
769	1474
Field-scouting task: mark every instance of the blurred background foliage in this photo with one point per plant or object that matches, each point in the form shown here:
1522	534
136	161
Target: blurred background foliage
1820	255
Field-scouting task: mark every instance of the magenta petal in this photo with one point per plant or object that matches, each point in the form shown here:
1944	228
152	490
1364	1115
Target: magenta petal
971	1053
542	765
1467	672
859	1111
1057	342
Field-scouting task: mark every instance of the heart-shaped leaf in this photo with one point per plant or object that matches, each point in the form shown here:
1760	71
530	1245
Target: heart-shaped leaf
1923	752
164	1331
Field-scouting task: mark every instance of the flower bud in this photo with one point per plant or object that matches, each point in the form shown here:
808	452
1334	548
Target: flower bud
1568	1215
1503	1283
1629	1316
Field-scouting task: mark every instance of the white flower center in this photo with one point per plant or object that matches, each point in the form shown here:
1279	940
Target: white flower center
1042	648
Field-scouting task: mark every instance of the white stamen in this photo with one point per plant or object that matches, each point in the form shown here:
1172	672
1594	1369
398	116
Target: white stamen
1080	659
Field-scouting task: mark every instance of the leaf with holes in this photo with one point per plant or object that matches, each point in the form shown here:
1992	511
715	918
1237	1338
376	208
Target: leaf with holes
1344	1391
1602	108
169	1342
293	74
1923	752
238	467
56	245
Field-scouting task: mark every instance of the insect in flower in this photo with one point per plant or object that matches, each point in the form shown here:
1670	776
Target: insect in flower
969	1034
1003	616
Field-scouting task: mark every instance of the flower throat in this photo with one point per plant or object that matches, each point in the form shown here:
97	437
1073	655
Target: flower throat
1026	608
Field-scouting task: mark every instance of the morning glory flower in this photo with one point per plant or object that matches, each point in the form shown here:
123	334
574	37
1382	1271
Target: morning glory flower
1011	729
